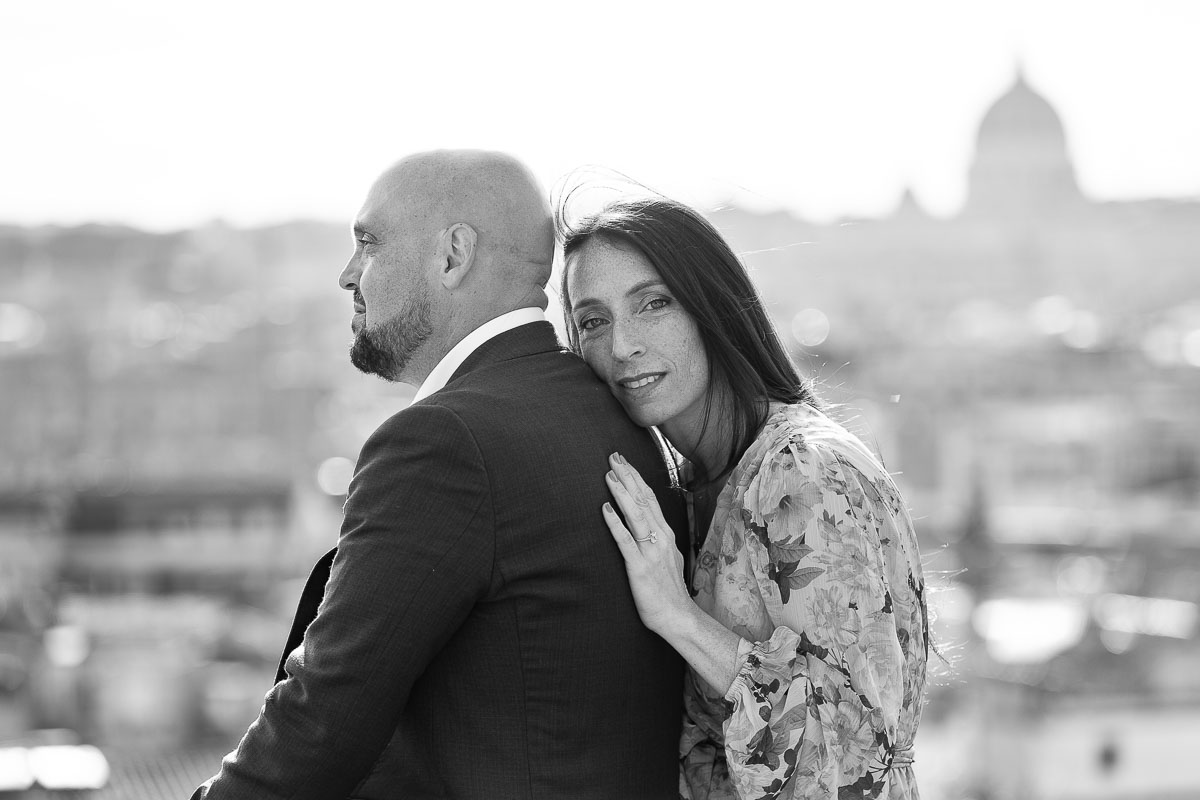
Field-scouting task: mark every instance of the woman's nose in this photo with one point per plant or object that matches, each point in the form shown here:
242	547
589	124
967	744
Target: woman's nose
626	343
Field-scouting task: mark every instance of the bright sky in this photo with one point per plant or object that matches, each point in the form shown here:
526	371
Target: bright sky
168	114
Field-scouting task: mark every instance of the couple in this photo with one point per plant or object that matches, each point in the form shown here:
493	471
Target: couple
521	604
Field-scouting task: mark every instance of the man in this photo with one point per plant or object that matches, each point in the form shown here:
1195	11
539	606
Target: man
475	636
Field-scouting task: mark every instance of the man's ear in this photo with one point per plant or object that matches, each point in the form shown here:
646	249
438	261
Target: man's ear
458	256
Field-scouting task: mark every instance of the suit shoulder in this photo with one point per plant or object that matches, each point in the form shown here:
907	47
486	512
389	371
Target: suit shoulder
420	421
526	385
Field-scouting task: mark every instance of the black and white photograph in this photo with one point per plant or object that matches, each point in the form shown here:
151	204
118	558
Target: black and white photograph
605	401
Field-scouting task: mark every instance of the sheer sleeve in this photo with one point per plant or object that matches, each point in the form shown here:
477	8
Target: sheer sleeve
815	709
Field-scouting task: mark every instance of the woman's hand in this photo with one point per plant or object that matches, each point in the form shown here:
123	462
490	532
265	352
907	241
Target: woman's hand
655	568
652	561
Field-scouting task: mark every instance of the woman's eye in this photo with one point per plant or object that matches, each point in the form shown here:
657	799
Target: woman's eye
590	324
655	303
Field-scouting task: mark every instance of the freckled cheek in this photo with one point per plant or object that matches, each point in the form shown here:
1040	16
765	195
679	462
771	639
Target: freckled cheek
673	339
690	356
593	356
661	336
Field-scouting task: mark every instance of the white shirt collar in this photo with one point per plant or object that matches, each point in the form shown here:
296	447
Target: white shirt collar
470	343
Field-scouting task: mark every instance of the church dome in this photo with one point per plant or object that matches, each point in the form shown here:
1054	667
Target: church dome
1022	163
1021	113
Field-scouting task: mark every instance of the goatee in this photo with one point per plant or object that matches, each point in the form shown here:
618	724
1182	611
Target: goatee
386	349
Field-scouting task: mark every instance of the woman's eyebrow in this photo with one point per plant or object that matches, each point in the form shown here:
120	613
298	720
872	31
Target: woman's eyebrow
641	286
587	302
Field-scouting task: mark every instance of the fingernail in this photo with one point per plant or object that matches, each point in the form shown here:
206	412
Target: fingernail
607	508
620	458
610	475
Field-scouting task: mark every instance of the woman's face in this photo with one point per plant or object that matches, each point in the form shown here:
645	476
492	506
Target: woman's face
639	340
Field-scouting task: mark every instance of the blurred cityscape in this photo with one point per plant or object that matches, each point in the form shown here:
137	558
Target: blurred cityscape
178	421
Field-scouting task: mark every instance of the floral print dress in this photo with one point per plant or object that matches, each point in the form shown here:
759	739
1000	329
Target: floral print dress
812	558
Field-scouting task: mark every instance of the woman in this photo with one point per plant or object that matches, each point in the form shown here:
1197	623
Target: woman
806	637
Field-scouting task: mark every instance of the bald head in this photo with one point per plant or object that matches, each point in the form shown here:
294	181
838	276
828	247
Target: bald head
444	242
498	198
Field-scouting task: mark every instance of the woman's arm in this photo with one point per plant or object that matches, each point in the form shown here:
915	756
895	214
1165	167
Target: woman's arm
655	568
823	694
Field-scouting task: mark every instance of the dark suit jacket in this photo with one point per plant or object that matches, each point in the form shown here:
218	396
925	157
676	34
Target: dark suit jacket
476	636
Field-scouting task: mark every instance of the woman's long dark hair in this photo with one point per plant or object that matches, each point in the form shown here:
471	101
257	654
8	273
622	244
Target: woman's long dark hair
745	356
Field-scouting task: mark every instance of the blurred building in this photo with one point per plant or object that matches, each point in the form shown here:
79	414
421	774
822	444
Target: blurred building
1031	367
177	416
161	430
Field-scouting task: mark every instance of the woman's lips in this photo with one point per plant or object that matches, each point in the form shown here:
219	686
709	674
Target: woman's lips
639	381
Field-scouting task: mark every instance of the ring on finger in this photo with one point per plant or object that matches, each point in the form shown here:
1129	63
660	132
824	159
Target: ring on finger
652	538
